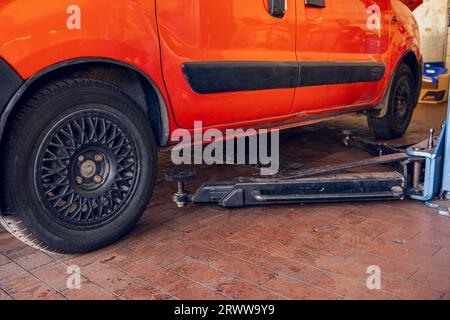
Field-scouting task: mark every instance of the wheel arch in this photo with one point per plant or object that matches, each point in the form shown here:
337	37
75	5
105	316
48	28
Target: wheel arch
132	80
409	58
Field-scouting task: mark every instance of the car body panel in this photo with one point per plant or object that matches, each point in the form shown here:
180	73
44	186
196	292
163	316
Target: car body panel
224	31
412	4
35	37
404	32
329	34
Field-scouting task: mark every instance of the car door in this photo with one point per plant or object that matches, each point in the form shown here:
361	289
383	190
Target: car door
343	51
228	61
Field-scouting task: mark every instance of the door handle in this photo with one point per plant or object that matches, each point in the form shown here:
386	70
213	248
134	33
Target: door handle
277	8
316	3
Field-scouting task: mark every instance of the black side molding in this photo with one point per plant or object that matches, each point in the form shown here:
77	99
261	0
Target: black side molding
214	77
316	3
10	82
230	76
325	73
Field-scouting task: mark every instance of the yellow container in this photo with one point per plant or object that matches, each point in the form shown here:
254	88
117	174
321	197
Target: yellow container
431	94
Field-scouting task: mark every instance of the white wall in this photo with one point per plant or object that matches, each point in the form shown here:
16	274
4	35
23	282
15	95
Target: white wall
432	19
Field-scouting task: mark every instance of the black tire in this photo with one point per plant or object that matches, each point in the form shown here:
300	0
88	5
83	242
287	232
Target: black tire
79	166
401	105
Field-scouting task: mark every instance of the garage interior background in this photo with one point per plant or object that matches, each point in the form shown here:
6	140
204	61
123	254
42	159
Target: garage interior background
434	32
434	20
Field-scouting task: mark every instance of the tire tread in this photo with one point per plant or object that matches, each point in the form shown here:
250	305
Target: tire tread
13	223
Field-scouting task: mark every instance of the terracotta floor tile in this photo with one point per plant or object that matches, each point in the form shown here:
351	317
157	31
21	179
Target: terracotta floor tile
9	243
240	290
157	254
409	290
121	284
432	279
13	277
439	262
164	235
387	250
36	291
270	246
83	260
244	270
251	255
33	260
284	235
139	291
290	268
196	252
393	267
246	237
19	252
436	237
4	296
198	272
4	259
119	257
442	256
108	277
297	290
341	267
151	273
412	246
88	291
55	275
240	251
221	228
323	247
350	289
189	290
205	238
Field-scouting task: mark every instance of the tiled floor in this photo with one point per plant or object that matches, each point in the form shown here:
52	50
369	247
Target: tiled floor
284	252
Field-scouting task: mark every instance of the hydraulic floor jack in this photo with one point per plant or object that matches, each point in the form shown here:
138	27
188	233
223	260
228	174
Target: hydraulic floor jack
420	171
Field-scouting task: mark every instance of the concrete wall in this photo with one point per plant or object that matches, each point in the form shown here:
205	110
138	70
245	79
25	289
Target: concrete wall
433	24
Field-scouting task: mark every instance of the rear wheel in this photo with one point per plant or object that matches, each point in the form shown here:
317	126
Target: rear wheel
402	102
79	166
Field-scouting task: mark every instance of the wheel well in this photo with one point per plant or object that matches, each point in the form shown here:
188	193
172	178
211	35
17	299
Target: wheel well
410	60
135	84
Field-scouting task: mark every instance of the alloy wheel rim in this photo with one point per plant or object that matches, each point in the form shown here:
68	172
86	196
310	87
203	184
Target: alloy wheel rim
403	101
86	170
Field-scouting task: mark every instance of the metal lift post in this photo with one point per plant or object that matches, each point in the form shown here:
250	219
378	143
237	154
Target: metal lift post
445	189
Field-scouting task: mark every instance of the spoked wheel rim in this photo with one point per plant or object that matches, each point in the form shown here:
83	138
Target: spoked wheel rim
87	169
403	101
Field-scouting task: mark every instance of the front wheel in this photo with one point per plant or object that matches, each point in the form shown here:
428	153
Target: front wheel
79	166
401	105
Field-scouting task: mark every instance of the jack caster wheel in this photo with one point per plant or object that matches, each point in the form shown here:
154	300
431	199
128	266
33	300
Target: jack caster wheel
180	175
181	197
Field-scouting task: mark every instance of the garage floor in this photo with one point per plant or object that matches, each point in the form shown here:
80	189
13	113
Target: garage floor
294	252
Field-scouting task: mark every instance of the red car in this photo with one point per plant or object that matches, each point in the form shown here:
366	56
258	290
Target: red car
90	90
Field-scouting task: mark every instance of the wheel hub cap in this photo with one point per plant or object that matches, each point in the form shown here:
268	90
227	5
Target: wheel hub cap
88	169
